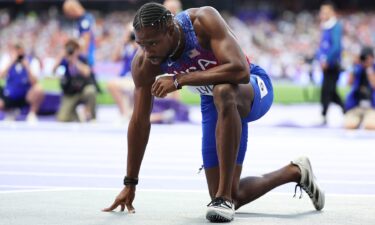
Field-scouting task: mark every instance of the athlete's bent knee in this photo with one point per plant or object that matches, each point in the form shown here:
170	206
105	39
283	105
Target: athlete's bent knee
224	96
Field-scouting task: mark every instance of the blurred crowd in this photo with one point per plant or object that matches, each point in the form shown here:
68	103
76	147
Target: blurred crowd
285	46
36	45
44	35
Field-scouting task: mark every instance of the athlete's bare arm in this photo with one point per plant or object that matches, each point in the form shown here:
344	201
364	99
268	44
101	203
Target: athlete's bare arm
143	73
139	127
213	33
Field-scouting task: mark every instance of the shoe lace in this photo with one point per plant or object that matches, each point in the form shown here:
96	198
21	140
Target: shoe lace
302	186
295	191
200	169
219	201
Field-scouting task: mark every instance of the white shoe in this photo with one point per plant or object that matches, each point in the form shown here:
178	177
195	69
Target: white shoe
220	210
121	121
31	118
168	116
12	115
308	183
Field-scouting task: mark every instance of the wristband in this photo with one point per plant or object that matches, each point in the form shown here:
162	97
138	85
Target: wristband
175	82
130	181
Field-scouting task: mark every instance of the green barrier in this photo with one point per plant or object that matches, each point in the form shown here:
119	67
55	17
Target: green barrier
285	93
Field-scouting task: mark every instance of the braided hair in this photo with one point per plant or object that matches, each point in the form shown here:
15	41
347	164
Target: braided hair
152	15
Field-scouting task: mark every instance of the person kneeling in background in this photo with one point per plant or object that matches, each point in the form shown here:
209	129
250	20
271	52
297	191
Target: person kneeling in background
77	85
21	85
360	103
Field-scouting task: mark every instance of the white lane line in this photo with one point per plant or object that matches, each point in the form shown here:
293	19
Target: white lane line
185	161
72	188
63	189
254	171
42	164
97	157
152	177
30	186
90	175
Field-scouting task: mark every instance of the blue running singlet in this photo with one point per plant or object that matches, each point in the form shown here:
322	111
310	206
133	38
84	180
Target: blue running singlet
196	58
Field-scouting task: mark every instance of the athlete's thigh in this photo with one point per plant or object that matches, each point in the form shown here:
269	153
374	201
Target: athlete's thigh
243	93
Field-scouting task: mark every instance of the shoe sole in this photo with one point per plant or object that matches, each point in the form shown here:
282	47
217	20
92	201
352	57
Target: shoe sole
321	193
323	199
217	217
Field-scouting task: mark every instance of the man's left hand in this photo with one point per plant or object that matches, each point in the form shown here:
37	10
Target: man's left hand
163	85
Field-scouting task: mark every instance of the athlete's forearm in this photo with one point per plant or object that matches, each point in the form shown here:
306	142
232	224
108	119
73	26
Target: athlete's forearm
226	73
138	134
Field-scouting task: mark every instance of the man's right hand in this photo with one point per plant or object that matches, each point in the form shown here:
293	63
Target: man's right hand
125	198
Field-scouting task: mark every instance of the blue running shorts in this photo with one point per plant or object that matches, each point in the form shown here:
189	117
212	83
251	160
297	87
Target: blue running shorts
263	97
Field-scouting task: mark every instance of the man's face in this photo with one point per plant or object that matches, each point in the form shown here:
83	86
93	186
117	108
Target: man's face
326	13
156	43
19	50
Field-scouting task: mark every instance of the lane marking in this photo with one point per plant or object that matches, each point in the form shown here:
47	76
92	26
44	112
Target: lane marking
65	189
254	171
152	177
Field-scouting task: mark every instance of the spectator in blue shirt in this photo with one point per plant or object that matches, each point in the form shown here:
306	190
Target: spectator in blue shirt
85	29
21	85
360	103
77	85
329	56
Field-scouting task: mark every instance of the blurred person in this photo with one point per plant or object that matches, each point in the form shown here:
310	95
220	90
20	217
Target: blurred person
360	102
73	9
174	6
197	49
21	85
85	26
164	110
77	85
123	86
329	54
